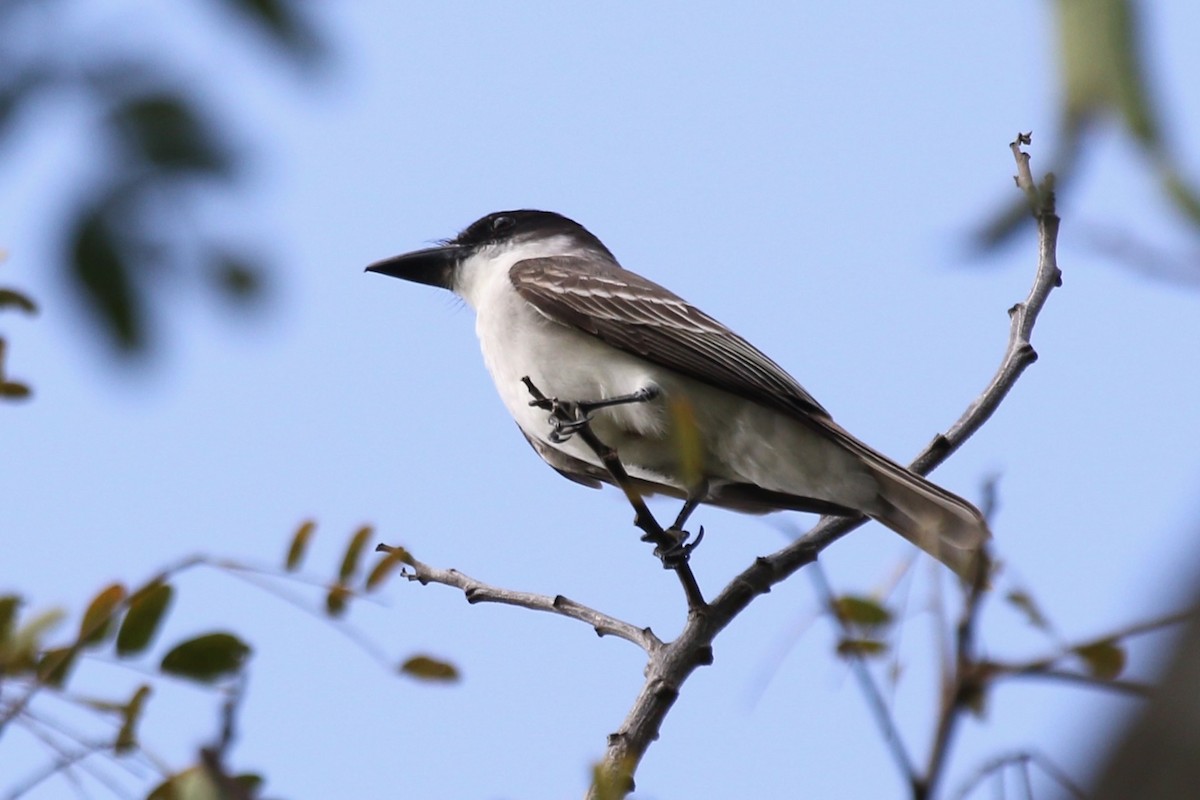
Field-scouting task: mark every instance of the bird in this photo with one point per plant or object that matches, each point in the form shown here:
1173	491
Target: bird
693	410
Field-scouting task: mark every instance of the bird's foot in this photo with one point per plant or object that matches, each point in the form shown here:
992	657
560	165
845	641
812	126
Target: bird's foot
673	548
567	417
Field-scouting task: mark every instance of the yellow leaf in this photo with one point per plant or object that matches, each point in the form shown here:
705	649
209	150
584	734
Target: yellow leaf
384	567
685	435
97	620
337	599
430	669
862	612
863	648
353	552
299	545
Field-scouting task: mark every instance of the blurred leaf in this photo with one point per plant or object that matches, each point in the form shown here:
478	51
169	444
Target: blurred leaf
14	390
163	129
862	612
55	664
353	553
142	621
99	266
250	782
685	437
18	86
26	641
385	567
131	714
863	648
337	598
299	545
206	658
19	300
192	783
9	604
430	669
1024	602
1104	659
615	784
1183	196
236	276
97	621
284	23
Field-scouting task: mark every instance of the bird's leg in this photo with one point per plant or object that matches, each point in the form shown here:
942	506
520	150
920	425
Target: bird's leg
678	548
670	549
567	417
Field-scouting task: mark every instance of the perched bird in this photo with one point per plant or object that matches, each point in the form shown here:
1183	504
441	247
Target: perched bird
693	410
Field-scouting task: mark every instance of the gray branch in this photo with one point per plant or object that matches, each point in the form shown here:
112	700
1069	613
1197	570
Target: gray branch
479	592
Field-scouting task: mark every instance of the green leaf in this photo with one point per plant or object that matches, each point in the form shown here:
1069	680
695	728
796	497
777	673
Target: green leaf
97	622
282	21
1024	602
430	669
55	664
299	546
19	300
353	553
163	129
142	621
1104	659
236	276
861	648
100	267
206	658
862	612
131	714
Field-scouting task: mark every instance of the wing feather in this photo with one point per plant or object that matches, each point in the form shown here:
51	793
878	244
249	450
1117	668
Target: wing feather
636	315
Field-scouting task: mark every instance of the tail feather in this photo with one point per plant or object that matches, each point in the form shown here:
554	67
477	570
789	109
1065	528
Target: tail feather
942	524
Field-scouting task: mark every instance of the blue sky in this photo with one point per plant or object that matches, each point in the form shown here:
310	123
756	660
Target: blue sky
807	175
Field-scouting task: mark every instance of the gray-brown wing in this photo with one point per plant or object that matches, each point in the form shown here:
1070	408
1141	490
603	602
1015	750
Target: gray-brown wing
637	315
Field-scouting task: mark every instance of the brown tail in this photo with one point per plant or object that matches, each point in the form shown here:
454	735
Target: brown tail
942	524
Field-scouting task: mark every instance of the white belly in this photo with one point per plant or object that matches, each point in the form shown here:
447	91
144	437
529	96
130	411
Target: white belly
720	438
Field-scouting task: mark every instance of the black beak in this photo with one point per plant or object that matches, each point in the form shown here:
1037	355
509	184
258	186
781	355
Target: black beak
434	266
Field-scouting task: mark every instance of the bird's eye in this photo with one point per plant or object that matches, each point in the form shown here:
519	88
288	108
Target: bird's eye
502	223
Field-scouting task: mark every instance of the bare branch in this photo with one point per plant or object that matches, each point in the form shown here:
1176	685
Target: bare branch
479	592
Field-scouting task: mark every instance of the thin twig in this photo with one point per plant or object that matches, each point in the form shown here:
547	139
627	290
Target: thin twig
875	700
479	592
1021	759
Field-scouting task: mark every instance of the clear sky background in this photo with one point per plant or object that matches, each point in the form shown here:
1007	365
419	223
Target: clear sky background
807	173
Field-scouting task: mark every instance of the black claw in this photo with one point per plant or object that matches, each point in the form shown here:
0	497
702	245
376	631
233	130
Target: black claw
675	550
568	417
